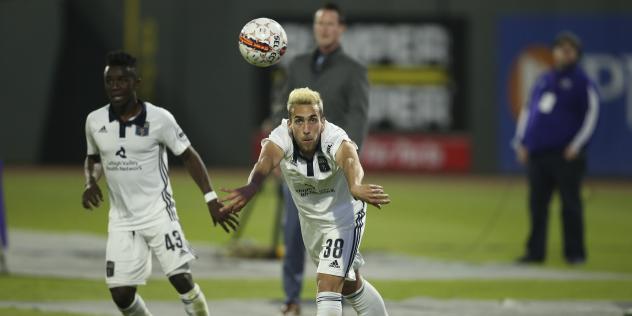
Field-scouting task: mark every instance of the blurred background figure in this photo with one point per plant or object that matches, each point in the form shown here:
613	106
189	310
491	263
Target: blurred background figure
344	88
553	131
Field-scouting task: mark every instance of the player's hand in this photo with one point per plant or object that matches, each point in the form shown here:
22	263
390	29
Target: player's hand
92	196
371	193
237	198
227	220
570	153
522	154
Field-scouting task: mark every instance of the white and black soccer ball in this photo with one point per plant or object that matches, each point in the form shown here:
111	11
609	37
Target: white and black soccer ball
262	42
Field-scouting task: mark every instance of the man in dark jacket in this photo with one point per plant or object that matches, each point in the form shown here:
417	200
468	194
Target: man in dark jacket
344	87
552	133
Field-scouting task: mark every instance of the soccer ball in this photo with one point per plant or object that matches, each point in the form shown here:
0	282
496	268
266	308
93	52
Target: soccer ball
262	42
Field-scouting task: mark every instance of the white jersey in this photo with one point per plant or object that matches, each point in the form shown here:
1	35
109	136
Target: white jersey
318	185
134	159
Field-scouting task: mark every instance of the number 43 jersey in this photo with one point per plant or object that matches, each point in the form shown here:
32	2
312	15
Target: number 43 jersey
318	185
134	159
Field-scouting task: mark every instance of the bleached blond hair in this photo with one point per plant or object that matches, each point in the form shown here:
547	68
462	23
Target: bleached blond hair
302	96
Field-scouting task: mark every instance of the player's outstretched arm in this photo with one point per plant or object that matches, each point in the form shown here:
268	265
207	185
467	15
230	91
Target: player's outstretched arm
271	155
196	168
92	196
347	158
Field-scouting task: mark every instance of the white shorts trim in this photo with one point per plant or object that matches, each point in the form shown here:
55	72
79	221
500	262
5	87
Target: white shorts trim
185	268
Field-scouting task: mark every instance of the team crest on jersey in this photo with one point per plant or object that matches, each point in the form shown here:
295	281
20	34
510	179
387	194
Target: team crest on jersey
323	165
142	130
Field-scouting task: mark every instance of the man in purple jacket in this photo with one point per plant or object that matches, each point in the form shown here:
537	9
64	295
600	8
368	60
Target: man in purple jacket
552	133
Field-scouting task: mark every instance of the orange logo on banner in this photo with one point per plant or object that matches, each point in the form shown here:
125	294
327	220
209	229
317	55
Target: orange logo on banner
525	69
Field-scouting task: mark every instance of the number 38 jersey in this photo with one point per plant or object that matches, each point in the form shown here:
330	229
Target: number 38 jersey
318	185
134	159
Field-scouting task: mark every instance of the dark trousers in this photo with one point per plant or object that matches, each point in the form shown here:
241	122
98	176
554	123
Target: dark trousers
548	171
294	259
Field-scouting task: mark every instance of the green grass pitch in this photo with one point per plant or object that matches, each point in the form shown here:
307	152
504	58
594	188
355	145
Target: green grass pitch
463	218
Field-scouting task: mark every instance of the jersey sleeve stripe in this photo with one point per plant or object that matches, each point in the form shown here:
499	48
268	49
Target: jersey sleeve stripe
165	180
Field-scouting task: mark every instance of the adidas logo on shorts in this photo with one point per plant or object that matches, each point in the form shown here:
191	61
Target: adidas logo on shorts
334	264
103	130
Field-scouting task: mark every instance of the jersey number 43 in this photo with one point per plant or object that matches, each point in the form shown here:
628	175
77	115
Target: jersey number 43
169	243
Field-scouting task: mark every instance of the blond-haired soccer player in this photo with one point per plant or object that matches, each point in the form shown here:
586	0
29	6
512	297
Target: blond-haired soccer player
321	167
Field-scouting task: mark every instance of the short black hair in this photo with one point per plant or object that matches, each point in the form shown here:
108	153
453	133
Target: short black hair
120	58
334	7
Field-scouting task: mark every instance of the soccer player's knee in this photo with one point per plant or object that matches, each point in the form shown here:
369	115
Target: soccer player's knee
350	287
123	296
182	282
329	283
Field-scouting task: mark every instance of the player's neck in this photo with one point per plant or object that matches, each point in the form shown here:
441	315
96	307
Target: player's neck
303	153
308	154
565	67
326	50
127	111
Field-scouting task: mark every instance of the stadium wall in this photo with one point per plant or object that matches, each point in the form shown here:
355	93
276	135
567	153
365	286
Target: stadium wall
53	53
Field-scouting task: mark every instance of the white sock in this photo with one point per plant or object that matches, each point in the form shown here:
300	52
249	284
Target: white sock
137	308
195	302
329	304
367	301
